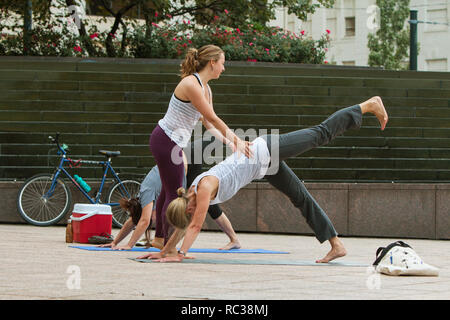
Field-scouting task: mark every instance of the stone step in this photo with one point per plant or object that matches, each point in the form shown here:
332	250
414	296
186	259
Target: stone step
52	161
305	174
76	150
225	79
347	141
351	147
234	67
72	138
22	173
241	120
260	99
355	149
367	135
220	108
374	152
160	86
368	163
145	160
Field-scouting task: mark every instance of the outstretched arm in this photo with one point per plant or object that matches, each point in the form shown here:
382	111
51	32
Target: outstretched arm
169	249
124	231
142	225
194	228
192	231
216	133
194	94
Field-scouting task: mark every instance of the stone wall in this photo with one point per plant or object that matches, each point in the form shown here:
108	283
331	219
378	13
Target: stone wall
358	209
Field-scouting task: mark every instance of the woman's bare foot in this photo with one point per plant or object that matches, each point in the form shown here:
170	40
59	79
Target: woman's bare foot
375	105
337	251
158	243
232	245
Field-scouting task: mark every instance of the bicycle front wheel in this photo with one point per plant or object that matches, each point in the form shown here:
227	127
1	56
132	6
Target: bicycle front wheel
126	189
41	206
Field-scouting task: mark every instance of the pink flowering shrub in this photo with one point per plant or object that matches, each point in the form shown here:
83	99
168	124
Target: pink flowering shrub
245	43
167	39
48	40
270	44
43	41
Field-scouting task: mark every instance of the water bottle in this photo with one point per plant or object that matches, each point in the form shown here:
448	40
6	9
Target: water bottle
82	183
69	232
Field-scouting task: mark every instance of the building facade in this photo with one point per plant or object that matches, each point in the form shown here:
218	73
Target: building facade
350	22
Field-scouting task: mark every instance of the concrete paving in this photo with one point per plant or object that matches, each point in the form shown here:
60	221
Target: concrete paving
36	263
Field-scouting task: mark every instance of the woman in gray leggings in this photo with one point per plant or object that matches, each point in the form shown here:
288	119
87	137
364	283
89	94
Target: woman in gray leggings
224	180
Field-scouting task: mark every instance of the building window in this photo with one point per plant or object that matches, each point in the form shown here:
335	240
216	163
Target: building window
437	64
350	26
439	16
291	22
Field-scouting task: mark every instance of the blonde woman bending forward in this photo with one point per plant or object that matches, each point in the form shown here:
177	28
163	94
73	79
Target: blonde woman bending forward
219	184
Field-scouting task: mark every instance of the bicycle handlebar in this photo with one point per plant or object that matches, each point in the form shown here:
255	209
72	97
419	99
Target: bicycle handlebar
56	140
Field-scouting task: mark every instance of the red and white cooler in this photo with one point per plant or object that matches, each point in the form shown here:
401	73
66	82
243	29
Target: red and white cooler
90	220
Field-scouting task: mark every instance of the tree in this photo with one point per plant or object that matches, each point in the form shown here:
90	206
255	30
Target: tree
203	12
241	11
301	8
389	45
118	21
23	16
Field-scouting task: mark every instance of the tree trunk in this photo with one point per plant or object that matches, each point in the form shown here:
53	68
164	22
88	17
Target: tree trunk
27	26
110	50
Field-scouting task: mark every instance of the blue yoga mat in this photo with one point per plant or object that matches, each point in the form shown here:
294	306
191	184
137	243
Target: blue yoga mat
264	262
192	250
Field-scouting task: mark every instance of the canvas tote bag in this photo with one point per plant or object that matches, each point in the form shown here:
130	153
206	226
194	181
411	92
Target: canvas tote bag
399	259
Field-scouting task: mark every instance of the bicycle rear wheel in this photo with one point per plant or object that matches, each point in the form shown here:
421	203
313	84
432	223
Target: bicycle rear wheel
127	189
40	207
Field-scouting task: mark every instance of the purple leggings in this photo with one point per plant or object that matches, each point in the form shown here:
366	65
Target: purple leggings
169	159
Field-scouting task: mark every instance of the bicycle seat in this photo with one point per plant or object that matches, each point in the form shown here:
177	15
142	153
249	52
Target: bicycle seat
109	153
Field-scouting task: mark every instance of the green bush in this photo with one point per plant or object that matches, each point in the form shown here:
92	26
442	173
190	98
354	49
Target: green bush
270	44
43	41
171	40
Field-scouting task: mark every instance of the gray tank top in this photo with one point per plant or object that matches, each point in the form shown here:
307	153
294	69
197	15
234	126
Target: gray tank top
151	187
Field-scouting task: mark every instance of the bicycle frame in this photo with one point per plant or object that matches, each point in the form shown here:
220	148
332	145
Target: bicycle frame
105	164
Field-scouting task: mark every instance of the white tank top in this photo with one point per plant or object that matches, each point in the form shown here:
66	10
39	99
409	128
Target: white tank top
235	172
180	119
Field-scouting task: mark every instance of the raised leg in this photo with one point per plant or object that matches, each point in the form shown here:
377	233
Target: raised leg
288	183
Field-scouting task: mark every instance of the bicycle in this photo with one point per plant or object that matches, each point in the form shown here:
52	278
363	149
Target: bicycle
44	199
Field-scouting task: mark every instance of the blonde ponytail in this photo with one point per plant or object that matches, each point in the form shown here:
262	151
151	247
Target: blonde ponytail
195	60
181	192
176	211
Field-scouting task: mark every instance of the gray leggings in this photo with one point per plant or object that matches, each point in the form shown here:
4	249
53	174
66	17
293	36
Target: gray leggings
297	142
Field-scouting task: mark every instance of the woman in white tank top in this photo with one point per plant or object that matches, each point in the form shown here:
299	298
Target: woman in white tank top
221	182
190	102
